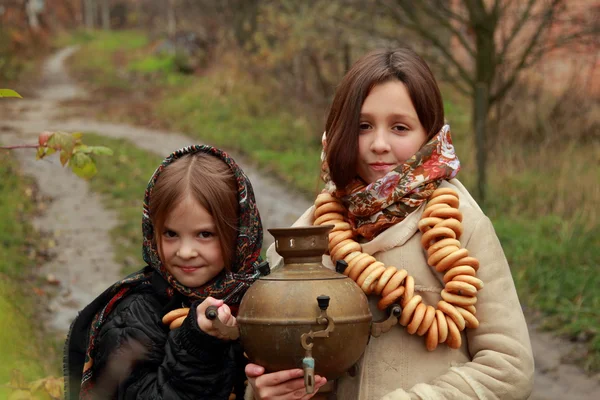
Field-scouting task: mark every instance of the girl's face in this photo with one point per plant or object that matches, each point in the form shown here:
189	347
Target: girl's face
390	131
190	246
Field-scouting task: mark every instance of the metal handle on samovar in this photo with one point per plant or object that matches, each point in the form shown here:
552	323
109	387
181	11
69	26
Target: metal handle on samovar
377	328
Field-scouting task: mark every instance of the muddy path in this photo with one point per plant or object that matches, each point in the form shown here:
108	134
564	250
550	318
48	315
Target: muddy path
84	263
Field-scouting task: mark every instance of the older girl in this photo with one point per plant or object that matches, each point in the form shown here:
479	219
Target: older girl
412	234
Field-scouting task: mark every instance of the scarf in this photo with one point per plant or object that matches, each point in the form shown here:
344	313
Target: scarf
228	285
374	207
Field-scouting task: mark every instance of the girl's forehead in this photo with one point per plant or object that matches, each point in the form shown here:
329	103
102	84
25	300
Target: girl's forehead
389	97
187	207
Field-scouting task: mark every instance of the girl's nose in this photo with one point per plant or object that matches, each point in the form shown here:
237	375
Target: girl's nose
187	252
380	143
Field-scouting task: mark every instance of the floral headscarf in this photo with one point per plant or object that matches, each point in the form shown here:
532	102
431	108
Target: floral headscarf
374	207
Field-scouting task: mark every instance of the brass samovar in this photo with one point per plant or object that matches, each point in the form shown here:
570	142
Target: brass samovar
304	315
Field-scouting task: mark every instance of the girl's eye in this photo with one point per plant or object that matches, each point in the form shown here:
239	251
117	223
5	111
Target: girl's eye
206	234
169	234
364	126
400	128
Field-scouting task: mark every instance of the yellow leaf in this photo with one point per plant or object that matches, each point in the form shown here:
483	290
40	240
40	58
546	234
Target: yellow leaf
54	387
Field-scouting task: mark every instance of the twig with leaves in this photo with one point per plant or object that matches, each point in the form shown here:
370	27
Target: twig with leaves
72	151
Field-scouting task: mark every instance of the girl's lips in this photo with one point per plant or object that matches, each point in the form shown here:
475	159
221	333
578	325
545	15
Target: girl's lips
188	269
381	167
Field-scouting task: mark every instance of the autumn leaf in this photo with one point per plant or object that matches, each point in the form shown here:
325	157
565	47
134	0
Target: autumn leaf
9	93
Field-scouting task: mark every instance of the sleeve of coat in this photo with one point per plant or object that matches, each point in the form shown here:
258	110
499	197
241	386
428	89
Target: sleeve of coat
502	361
139	359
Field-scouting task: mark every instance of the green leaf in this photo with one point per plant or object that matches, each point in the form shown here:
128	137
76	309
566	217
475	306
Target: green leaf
86	172
79	160
82	165
9	93
101	150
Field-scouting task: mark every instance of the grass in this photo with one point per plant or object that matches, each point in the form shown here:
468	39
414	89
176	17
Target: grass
541	199
22	346
101	51
555	267
122	179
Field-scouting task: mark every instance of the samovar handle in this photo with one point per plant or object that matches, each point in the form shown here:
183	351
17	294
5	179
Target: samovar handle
377	328
230	332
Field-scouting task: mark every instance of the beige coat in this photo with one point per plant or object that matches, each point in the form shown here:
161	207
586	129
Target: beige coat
495	360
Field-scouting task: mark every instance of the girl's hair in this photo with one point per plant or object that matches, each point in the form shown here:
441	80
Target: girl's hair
212	184
377	67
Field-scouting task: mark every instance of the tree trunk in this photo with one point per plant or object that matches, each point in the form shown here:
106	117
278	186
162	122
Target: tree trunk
94	8
105	15
171	21
480	115
88	13
484	26
32	15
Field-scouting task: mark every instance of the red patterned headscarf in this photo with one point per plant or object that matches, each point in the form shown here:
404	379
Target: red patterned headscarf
375	207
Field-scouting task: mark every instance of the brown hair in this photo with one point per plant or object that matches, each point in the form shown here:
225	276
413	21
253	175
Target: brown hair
377	67
212	184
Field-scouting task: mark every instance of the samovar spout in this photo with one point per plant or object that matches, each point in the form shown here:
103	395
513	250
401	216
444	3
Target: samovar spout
308	362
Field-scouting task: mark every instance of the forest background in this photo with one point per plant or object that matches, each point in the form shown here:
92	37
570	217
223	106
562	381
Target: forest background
521	93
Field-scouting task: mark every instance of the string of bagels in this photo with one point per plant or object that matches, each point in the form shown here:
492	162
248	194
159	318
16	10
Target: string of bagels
441	228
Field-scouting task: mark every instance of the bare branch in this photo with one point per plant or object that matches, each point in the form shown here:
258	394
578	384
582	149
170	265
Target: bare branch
442	7
541	28
516	29
415	25
449	78
20	146
504	5
474	7
443	21
562	42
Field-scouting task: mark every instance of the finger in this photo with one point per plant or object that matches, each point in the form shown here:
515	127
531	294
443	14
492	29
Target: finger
280	377
254	370
232	321
224	314
282	383
318	386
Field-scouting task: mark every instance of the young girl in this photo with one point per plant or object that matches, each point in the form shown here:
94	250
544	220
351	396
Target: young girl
412	234
202	240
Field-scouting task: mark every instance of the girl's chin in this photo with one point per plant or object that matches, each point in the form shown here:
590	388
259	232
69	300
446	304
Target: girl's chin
373	178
